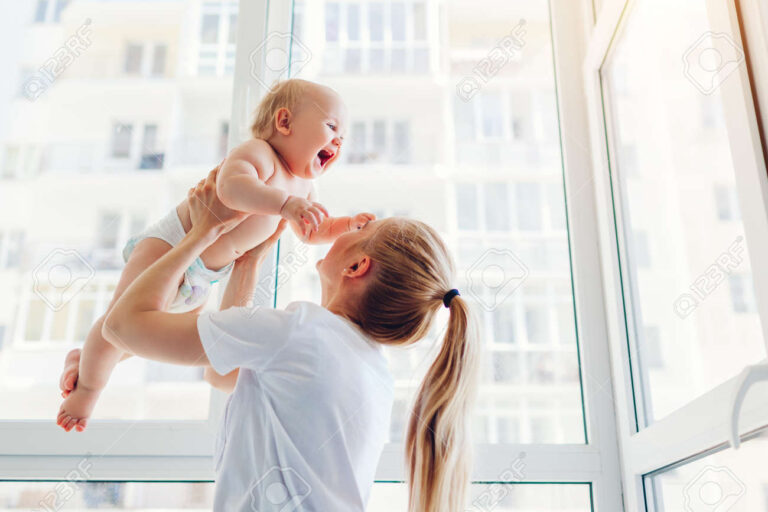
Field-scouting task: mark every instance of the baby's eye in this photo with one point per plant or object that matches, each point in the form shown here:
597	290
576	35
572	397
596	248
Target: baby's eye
332	126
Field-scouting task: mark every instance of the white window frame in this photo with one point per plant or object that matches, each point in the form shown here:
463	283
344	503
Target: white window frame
703	425
182	450
139	450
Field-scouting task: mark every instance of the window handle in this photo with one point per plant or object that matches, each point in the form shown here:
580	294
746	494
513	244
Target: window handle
748	377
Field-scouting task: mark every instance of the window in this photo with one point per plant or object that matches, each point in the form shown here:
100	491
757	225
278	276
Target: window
11	247
376	37
673	161
49	11
379	141
223	139
726	203
658	199
72	195
158	60
512	258
742	293
41	11
717	481
151	156
121	140
217	38
60	6
133	57
209	33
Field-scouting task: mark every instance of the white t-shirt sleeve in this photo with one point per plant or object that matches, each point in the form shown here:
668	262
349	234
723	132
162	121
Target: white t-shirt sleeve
244	337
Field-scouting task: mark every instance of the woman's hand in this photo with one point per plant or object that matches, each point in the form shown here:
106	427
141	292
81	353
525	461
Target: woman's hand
360	220
256	255
207	212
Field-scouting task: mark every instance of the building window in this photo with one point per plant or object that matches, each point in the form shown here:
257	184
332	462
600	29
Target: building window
528	206
59	7
369	142
223	139
376	37
497	206
158	60
742	293
209	31
218	35
727	203
133	57
232	37
121	140
151	157
466	207
11	245
41	11
11	161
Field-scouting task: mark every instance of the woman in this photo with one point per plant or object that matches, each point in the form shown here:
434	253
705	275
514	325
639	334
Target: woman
307	420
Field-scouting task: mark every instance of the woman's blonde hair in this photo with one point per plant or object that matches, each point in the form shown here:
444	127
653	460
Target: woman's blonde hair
283	94
412	274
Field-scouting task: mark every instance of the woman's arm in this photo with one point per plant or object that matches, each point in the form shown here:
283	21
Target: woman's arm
239	292
137	323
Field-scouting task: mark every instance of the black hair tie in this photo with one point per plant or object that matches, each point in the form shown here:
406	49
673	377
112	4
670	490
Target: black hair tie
448	297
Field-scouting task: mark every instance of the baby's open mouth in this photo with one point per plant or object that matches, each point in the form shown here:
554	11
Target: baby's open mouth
324	155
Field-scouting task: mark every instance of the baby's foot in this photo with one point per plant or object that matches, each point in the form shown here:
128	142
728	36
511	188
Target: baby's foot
69	375
77	408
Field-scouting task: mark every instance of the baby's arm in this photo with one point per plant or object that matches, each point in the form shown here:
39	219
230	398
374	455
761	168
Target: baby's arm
242	185
241	182
332	227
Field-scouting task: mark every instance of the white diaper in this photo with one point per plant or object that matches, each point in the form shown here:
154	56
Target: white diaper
198	279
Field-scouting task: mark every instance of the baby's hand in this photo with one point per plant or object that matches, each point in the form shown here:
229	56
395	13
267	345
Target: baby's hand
360	220
306	214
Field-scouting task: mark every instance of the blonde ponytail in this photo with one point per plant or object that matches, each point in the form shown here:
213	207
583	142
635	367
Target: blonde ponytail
413	274
438	443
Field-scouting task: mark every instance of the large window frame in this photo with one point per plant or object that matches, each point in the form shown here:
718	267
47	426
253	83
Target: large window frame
703	425
182	450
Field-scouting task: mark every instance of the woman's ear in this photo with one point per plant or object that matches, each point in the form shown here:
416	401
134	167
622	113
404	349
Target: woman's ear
283	121
358	268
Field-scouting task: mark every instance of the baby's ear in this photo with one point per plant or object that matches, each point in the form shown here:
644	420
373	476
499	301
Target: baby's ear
283	121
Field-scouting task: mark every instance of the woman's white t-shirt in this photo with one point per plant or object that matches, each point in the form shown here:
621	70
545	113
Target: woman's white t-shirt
307	421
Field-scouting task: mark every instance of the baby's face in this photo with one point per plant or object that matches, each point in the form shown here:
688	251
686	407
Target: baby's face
317	132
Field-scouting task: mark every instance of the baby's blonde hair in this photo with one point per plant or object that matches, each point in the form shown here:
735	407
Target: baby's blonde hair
413	273
284	94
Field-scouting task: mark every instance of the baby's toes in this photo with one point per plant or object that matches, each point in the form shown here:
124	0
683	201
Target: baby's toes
81	424
70	423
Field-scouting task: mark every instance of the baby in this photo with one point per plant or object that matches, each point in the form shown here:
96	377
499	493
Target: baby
297	136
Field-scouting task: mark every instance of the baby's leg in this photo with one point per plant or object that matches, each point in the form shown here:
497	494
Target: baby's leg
99	357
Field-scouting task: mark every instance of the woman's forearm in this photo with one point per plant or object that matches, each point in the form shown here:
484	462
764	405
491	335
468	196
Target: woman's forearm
241	285
156	287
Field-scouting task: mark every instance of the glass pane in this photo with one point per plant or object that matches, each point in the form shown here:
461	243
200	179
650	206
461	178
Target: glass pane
74	191
683	242
209	31
166	497
78	496
727	481
496	197
386	497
